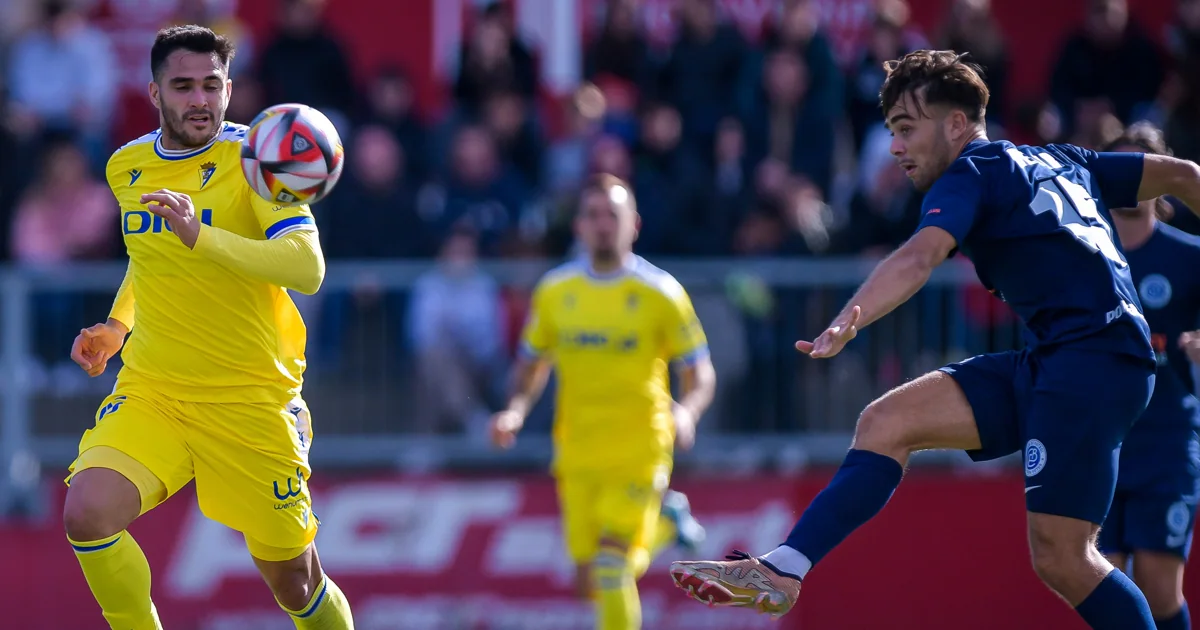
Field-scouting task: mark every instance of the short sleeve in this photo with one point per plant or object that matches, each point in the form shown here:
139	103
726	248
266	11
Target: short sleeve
537	336
686	342
953	202
278	221
1119	175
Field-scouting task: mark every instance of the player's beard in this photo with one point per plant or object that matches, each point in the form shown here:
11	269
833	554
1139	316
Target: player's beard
606	257
175	126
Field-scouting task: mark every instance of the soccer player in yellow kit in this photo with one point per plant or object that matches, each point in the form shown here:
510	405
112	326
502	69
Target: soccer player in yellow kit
609	324
210	388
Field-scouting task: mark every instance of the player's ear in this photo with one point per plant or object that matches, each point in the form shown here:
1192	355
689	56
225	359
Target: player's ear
152	90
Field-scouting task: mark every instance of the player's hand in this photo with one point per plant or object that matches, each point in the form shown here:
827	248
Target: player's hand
1189	342
504	428
96	345
177	210
831	342
685	427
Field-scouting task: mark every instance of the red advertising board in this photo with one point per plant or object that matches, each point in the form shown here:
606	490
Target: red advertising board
415	554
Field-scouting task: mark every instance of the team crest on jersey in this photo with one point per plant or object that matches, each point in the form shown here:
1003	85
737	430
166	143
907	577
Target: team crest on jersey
1035	457
1155	291
206	172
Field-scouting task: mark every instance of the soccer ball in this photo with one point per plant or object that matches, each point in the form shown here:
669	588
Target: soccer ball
292	155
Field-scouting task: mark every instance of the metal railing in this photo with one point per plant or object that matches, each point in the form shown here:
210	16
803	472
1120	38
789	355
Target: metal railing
774	408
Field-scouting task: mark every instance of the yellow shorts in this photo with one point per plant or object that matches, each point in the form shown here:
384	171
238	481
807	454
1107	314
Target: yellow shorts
598	506
249	460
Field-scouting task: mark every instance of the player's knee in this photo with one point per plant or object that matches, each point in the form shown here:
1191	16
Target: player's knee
1058	560
293	582
99	504
878	430
583	581
1160	578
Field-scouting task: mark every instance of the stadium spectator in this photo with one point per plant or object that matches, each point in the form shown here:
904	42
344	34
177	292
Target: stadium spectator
620	51
507	118
391	103
797	28
62	78
480	190
565	161
66	215
709	210
888	39
493	59
970	27
457	333
700	76
1108	59
305	63
784	123
885	209
663	168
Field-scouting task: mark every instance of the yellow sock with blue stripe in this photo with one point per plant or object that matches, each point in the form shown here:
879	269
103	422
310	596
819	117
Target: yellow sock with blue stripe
327	610
119	576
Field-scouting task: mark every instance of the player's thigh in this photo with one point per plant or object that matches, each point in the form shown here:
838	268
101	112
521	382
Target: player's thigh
1083	405
577	505
140	438
628	511
1112	540
954	407
1161	523
252	473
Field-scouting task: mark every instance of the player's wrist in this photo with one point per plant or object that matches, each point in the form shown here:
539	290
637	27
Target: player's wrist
117	326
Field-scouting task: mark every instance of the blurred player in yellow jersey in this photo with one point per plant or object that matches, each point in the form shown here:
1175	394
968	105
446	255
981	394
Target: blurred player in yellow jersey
210	388
609	324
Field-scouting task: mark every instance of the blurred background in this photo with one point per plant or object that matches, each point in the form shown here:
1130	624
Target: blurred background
751	133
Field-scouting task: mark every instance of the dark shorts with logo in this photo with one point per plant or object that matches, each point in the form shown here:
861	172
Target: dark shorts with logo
1068	410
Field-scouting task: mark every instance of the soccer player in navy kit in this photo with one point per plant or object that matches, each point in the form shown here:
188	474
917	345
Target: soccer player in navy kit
1035	222
1154	507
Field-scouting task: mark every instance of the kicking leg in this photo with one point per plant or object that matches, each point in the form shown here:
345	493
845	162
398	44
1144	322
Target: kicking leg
302	588
929	412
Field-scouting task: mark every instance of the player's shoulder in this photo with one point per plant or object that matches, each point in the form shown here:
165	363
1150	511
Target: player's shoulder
132	153
657	280
230	139
1178	237
561	276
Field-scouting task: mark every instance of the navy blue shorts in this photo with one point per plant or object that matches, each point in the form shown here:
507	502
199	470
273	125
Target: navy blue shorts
1068	409
1154	507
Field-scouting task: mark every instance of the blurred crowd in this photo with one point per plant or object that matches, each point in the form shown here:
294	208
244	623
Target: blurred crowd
774	148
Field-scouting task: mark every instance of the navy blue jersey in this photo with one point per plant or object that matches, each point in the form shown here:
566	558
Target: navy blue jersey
1165	274
1035	222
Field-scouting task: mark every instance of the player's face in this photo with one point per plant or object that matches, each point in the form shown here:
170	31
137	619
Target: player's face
606	224
191	97
920	141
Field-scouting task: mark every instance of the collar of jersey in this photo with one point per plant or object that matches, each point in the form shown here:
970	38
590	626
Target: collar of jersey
161	152
629	266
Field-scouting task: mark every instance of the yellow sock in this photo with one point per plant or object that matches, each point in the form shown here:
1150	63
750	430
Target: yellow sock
618	606
119	576
328	610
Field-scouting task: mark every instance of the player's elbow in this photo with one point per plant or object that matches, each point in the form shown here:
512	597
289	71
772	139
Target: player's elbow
313	277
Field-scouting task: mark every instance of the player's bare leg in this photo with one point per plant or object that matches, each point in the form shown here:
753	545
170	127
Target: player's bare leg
888	432
100	504
1065	556
306	593
1160	576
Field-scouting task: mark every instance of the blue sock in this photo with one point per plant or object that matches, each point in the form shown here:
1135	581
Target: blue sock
1116	604
1181	621
861	487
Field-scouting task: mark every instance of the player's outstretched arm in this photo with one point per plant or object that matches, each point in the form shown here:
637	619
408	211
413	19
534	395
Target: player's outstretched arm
893	281
529	377
1166	175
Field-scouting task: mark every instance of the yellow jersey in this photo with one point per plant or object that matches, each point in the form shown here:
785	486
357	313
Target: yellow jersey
610	339
201	331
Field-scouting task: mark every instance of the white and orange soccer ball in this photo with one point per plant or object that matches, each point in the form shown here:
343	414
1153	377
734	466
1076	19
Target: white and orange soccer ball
292	155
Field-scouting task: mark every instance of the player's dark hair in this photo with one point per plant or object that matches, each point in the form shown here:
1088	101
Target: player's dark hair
604	183
191	38
1142	135
1147	138
942	77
